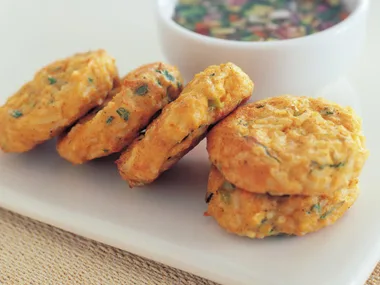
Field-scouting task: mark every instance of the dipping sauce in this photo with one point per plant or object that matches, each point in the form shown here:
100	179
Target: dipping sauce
258	20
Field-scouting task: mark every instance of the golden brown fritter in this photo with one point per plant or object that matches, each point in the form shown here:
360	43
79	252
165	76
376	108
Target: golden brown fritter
208	98
128	110
289	145
58	95
261	215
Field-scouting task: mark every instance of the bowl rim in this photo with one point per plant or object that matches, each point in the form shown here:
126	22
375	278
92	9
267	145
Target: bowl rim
361	7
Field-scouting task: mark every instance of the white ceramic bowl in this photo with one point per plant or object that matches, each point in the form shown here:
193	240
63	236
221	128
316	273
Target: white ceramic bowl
297	66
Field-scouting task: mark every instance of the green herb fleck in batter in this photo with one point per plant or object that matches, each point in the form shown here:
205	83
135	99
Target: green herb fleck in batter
228	186
168	75
266	149
159	82
337	165
109	120
326	111
323	166
332	209
242	122
52	80
90	80
268	153
16	114
215	103
142	90
225	195
225	191
316	207
123	113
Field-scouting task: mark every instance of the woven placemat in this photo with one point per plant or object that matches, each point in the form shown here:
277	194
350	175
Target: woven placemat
35	253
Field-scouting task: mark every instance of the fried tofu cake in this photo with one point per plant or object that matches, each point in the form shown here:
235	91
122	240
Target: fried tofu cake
59	94
261	215
289	145
208	98
128	110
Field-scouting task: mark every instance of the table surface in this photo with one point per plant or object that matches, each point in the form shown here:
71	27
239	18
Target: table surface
35	253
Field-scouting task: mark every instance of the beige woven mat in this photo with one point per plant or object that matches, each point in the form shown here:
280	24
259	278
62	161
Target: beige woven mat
35	253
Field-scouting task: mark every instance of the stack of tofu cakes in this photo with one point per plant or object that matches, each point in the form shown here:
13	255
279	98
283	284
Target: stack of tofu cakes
284	165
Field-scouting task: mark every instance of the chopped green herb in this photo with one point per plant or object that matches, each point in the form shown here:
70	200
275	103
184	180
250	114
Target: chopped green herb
263	221
159	82
340	164
90	80
326	111
316	207
323	216
179	85
142	90
123	113
109	120
52	80
225	191
268	153
16	114
225	195
323	166
332	209
168	75
212	74
242	122
228	186
259	106
215	103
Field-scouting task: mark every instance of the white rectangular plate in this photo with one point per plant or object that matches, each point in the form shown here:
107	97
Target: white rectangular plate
165	221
